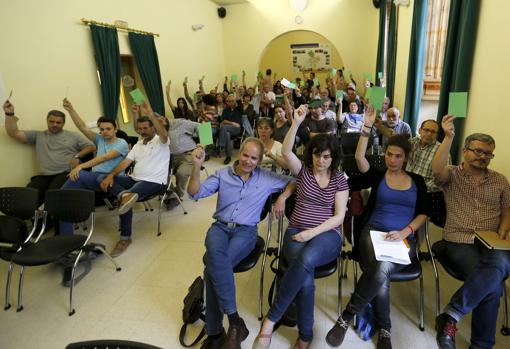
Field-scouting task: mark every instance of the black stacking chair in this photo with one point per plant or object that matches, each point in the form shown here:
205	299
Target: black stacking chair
110	344
18	205
260	248
438	217
349	142
167	191
70	205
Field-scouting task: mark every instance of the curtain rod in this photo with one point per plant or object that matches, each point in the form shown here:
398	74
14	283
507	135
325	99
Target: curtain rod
103	24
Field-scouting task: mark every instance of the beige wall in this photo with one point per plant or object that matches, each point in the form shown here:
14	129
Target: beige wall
350	25
405	18
277	54
45	48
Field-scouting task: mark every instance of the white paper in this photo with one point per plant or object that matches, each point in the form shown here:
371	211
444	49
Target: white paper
389	251
285	83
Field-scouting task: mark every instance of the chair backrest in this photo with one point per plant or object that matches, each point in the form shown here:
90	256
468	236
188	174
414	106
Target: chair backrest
350	167
437	208
70	205
349	142
110	344
19	202
268	205
12	230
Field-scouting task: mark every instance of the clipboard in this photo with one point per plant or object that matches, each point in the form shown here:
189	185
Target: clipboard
491	240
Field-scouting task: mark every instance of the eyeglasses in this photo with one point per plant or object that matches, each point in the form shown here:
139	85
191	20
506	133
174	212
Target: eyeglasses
479	153
429	130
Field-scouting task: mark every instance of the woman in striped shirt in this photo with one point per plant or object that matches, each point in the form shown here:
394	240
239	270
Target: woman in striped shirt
313	237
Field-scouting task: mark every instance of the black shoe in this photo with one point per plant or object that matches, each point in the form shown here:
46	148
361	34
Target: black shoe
445	328
214	343
235	335
227	160
336	335
171	203
384	339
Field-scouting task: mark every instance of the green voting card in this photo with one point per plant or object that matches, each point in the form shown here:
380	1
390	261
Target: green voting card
333	72
205	133
340	94
368	94
377	95
346	74
316	82
233	78
301	83
379	75
457	104
138	96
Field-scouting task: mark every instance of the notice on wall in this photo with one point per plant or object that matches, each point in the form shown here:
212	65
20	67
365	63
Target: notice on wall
308	57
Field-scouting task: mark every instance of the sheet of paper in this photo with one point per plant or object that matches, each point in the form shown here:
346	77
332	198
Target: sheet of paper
138	96
285	82
457	104
205	133
389	251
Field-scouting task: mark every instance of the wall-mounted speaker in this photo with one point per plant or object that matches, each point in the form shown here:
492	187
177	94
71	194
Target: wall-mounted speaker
222	12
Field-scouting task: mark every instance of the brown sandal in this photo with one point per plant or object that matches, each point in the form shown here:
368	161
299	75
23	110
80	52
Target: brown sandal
258	345
301	344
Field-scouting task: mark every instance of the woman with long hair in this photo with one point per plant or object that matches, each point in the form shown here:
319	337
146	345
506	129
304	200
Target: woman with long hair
181	111
272	149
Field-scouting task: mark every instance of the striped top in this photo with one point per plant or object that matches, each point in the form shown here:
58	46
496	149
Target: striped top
314	204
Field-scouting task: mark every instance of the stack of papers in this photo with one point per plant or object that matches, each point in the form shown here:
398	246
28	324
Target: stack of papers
389	251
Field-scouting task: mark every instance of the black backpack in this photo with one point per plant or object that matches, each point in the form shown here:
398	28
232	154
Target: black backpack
193	310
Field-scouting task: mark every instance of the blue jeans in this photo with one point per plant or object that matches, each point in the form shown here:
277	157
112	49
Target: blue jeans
374	284
86	180
123	184
226	131
481	292
225	247
298	281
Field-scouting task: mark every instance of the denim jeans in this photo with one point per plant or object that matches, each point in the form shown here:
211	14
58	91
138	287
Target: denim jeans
247	126
86	180
481	292
298	281
225	247
226	131
123	184
374	284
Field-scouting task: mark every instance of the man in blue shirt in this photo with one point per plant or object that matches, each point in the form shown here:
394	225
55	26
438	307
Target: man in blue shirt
242	192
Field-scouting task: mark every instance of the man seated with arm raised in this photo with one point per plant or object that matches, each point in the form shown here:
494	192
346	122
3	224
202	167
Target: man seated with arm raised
242	192
57	150
151	156
476	198
110	152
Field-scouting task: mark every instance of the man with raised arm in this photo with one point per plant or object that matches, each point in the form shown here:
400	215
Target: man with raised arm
243	189
151	156
477	198
57	150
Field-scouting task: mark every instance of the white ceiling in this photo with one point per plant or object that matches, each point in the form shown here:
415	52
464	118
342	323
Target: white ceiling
228	2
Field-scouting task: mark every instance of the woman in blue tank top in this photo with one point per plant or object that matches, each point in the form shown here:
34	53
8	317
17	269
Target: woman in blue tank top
398	206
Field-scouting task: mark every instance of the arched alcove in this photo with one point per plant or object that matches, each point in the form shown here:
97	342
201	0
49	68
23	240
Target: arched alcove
277	55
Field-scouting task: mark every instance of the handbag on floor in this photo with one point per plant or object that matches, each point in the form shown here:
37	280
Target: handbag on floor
193	310
365	323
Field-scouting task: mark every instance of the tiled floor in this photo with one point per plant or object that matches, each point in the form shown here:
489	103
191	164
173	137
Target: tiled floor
143	302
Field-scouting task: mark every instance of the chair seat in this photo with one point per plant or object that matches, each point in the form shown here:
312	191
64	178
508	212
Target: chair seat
410	272
48	250
326	269
249	261
439	250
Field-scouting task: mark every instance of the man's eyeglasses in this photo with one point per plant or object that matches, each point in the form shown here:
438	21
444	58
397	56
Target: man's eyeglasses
479	153
429	130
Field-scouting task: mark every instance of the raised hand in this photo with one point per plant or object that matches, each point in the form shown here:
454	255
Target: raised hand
300	113
146	108
370	115
448	126
8	107
135	109
67	105
198	155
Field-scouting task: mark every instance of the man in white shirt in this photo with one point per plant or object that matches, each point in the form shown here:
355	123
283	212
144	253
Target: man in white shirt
151	156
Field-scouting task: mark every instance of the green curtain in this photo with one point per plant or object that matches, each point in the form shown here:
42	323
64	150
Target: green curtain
380	46
458	59
416	63
106	48
146	56
391	59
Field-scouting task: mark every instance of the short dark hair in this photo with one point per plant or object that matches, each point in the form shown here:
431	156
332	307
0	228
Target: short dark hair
56	113
145	119
401	141
268	121
105	119
429	120
320	143
269	71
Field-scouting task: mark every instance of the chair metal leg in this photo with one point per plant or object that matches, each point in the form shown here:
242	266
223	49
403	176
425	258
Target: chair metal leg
505	330
20	289
340	268
107	255
422	305
71	307
263	267
434	267
159	218
8	288
180	203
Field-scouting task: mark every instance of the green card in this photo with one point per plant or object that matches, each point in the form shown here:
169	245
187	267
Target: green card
138	96
368	76
379	75
292	85
259	75
205	133
333	71
340	94
316	82
347	74
233	78
301	83
457	104
377	95
368	94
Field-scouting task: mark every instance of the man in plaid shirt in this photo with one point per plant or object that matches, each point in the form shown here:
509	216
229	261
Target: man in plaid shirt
477	198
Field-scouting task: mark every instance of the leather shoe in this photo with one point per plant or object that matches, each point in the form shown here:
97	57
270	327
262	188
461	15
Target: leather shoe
384	339
227	160
235	335
214	343
445	327
336	335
